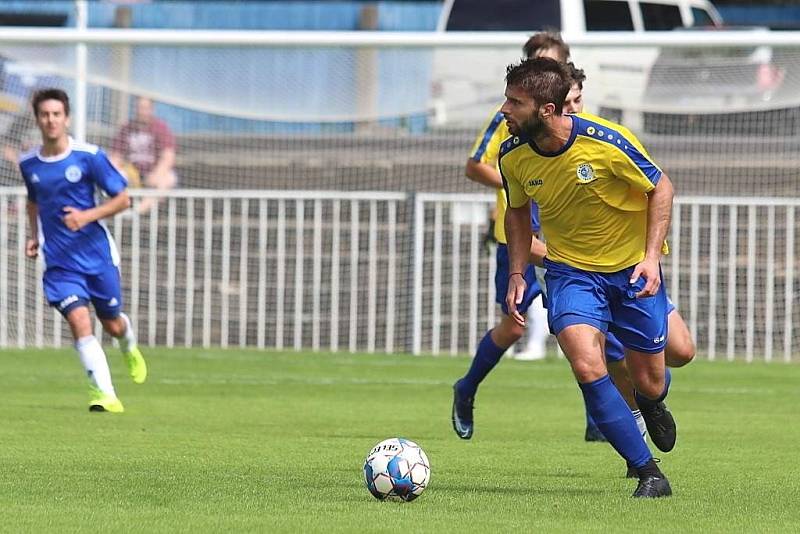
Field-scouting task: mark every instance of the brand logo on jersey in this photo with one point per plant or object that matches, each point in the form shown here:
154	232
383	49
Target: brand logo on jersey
585	173
73	173
35	178
535	181
67	301
590	130
113	302
658	339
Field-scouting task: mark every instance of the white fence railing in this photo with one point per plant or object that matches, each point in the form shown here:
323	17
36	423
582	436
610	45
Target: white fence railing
389	272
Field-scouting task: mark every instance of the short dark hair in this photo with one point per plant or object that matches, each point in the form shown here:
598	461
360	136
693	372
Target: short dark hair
545	41
51	93
544	79
576	74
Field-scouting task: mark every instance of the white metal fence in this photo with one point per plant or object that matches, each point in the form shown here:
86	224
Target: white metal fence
389	272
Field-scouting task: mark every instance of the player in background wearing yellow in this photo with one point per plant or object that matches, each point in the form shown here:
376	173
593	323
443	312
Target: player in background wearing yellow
605	209
482	168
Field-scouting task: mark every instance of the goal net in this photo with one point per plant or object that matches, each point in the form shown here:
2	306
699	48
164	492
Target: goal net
322	202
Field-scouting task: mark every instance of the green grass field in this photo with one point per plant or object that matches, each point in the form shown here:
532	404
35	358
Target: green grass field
248	441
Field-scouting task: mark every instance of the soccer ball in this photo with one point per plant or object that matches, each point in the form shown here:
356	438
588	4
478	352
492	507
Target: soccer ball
396	469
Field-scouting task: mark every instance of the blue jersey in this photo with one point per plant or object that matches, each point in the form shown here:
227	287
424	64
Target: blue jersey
72	179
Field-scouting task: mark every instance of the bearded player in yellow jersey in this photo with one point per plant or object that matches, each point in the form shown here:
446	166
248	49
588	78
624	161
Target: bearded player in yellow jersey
605	208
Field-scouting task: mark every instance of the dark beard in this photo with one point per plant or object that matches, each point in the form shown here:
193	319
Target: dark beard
533	127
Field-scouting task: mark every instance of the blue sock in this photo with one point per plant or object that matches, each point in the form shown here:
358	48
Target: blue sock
615	420
642	400
486	357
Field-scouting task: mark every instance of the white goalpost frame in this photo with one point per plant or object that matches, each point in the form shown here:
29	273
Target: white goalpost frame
375	39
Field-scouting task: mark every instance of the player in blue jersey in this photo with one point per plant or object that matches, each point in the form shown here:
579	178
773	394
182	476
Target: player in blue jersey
481	167
80	256
604	208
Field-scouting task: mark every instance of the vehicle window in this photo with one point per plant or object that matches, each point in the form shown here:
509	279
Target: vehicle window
504	15
661	17
701	17
607	16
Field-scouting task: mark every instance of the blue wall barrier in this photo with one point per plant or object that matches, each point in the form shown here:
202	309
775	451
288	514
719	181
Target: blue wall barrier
252	15
326	76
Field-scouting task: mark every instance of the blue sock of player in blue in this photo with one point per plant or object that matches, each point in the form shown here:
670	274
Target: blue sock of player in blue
614	419
486	357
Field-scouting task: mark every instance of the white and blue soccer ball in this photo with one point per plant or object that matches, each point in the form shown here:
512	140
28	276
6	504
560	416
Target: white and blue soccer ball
397	469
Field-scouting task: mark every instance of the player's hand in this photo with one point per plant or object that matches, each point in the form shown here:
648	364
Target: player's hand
74	218
516	292
32	248
650	270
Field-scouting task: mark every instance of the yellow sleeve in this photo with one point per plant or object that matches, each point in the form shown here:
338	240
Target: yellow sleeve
486	148
515	194
633	164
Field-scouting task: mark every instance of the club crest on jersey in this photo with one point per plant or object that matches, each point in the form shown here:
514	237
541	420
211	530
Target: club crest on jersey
73	174
585	173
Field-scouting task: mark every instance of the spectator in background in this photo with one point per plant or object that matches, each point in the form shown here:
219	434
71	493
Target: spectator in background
144	149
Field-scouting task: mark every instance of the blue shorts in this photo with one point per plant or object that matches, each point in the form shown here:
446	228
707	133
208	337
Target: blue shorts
615	352
501	282
66	290
606	301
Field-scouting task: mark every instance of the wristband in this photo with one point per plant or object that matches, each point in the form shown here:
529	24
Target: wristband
512	274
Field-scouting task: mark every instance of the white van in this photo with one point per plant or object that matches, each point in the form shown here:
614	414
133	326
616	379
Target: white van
616	78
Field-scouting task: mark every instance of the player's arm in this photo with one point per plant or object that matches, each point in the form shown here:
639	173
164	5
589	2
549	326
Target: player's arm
635	166
481	165
483	173
32	209
114	184
32	243
518	236
519	233
659	208
76	219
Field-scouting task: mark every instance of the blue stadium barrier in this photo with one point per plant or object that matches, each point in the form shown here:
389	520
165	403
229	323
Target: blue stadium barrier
329	71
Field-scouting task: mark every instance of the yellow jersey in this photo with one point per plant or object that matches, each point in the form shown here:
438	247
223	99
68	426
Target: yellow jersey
592	193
